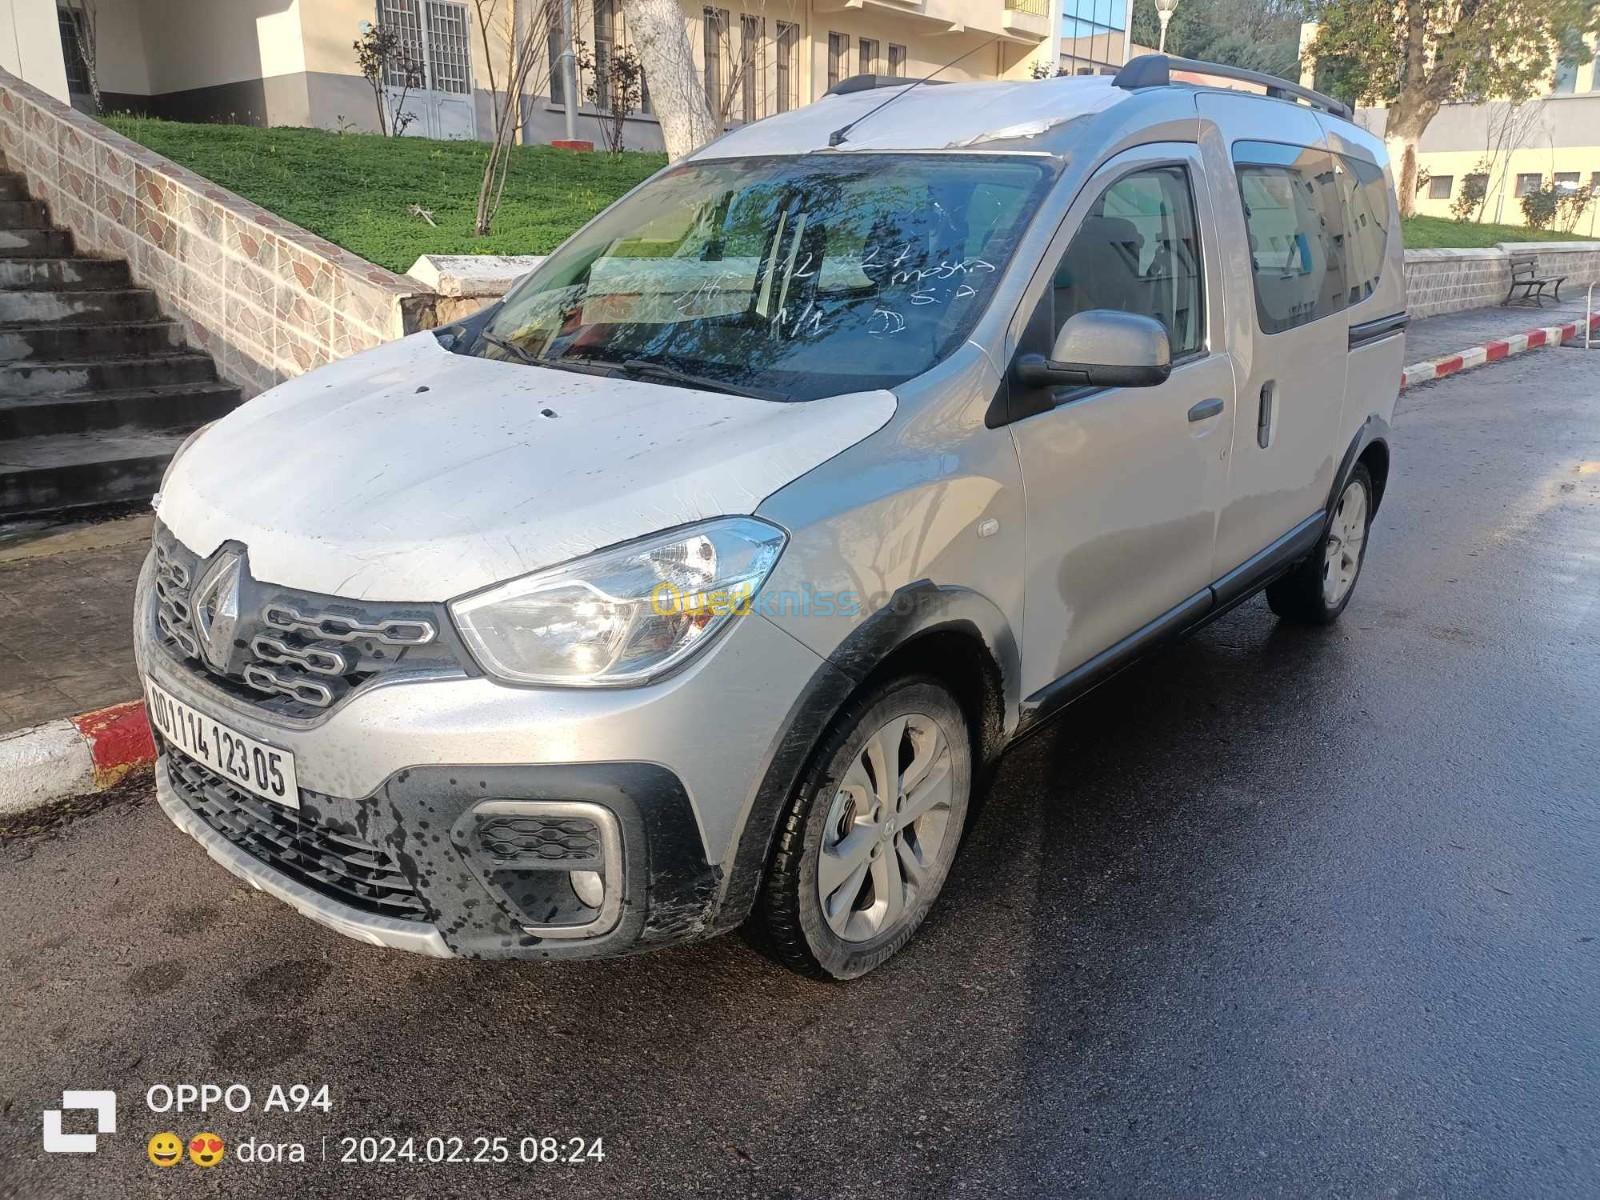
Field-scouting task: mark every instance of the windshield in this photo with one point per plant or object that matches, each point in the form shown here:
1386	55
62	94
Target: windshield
790	278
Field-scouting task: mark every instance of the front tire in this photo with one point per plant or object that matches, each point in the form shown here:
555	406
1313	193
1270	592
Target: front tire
870	834
1316	591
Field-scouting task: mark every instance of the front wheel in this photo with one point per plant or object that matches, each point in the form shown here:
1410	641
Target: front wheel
1316	591
871	832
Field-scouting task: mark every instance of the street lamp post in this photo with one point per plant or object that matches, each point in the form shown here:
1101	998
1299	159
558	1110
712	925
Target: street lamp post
1164	11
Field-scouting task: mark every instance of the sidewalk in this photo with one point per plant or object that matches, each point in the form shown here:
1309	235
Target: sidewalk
1452	333
66	646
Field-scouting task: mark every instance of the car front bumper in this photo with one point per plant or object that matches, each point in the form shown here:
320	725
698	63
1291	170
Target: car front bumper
431	773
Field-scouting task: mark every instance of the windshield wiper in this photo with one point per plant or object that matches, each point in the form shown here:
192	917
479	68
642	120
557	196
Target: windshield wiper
657	370
510	347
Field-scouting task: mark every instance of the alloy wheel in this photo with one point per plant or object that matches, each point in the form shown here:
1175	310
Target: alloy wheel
1342	556
886	828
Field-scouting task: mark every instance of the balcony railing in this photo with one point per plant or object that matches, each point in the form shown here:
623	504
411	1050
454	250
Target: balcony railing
1034	8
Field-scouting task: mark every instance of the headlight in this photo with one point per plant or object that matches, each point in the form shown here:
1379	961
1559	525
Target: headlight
624	615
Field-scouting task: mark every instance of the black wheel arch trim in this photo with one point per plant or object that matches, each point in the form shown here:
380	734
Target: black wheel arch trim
1374	430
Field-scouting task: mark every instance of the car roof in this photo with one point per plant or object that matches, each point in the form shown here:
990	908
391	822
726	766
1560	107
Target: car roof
935	116
1029	115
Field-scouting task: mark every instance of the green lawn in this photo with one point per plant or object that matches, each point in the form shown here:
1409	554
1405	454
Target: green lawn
357	189
1428	233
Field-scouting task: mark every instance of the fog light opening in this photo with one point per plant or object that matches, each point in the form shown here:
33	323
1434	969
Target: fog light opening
588	887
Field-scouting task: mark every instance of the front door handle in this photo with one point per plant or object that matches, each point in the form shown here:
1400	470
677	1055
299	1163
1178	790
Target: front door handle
1206	409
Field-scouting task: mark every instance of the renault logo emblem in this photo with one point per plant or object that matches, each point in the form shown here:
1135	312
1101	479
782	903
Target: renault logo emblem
214	606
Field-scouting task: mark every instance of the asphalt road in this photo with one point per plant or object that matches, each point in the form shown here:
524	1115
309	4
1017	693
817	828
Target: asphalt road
1279	913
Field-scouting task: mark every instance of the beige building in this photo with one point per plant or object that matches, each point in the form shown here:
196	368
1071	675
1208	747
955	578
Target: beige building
1552	138
292	62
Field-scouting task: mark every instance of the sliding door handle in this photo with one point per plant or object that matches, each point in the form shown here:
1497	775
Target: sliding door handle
1206	409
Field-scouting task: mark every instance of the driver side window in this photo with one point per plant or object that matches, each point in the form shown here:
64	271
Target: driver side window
1138	251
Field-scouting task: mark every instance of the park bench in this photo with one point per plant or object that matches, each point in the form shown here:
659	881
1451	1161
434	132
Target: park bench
1525	276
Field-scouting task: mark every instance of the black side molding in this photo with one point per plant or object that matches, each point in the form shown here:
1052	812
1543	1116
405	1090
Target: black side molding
1199	609
1371	331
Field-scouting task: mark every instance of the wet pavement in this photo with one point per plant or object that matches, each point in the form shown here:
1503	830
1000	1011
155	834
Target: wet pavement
1277	913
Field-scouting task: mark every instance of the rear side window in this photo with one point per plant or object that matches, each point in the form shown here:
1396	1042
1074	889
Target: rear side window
1318	226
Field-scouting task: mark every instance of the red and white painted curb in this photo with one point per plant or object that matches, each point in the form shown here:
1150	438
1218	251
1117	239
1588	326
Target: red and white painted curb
1550	335
73	756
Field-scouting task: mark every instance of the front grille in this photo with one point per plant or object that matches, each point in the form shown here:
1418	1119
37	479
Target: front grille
329	861
289	652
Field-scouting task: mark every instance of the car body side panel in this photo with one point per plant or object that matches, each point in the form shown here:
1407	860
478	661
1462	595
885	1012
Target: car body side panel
934	495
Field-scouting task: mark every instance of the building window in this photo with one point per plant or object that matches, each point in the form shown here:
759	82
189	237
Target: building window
1439	186
558	78
838	57
752	60
868	56
897	61
1566	80
716	32
1093	34
1567	179
605	37
1528	184
788	38
77	68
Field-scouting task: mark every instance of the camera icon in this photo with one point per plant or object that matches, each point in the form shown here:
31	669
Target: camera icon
104	1106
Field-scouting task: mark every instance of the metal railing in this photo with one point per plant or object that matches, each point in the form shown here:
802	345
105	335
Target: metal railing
1034	8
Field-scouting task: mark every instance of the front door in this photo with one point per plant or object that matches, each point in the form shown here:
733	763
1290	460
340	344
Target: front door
1122	485
434	99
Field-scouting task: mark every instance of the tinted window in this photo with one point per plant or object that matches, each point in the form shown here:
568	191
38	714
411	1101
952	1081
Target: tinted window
1318	226
789	277
1138	251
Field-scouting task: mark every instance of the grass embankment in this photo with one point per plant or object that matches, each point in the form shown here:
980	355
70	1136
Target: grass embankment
357	189
1436	233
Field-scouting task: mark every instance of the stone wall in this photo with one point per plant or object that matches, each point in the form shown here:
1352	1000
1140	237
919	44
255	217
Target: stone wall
1443	281
265	298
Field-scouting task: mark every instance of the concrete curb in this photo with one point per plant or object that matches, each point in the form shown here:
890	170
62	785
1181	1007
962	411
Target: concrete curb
73	756
1477	356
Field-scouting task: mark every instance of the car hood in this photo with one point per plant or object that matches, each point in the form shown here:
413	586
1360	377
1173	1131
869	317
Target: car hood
411	473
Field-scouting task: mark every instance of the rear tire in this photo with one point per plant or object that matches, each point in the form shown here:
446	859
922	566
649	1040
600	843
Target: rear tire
1316	590
867	841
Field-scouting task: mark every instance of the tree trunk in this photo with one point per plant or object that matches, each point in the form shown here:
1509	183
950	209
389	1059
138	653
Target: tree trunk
1403	158
677	92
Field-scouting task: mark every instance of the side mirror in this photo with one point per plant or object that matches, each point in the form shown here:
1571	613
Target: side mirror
1102	348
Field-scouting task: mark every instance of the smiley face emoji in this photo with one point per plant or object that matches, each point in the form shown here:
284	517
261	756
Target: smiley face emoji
165	1149
205	1150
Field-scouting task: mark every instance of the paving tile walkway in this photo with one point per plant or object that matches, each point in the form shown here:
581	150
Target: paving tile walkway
1451	333
66	644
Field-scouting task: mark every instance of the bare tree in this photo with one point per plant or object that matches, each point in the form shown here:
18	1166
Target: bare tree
85	20
677	91
741	58
525	28
383	56
1507	130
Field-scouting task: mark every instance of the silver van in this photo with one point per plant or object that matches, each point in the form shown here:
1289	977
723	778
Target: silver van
695	584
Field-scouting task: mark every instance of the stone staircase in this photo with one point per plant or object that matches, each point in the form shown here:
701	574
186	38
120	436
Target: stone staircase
97	389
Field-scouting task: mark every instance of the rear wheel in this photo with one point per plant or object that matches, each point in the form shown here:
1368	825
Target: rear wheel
1316	591
869	837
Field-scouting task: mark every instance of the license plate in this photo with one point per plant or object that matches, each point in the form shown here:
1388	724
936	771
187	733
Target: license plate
254	766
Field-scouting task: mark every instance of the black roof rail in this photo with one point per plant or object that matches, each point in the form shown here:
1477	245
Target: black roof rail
870	83
1155	70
